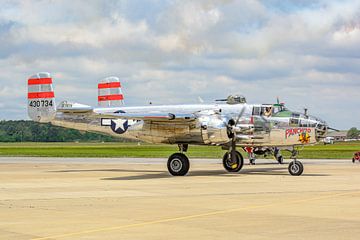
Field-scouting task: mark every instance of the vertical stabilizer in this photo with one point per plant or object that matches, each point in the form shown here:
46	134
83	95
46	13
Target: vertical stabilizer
41	98
109	93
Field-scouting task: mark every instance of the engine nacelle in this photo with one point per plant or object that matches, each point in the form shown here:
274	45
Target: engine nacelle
214	130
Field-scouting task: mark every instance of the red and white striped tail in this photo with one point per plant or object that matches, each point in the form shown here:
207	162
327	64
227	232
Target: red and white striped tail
41	98
109	93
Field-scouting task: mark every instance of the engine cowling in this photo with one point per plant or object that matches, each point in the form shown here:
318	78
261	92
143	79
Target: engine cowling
214	130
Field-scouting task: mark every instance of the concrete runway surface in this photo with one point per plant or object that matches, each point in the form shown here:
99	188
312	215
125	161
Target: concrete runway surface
75	198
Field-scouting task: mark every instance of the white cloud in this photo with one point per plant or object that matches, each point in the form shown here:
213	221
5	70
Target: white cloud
306	52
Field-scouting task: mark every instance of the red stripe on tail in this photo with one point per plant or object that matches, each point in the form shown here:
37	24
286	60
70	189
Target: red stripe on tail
37	81
109	85
33	95
111	97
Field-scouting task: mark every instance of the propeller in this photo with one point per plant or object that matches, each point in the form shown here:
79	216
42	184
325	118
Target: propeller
231	130
334	129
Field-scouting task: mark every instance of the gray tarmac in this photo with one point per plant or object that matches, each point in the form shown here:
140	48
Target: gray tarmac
135	198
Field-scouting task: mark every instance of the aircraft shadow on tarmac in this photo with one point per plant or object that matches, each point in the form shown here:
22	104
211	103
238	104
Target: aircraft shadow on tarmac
257	171
106	170
157	174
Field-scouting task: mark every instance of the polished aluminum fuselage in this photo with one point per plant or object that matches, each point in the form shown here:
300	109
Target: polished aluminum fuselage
208	125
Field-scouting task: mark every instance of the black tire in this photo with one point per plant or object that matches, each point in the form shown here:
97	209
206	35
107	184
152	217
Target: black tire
296	168
178	164
353	160
252	161
280	159
233	166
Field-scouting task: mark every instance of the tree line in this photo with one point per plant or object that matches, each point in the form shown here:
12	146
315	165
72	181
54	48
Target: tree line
29	131
353	133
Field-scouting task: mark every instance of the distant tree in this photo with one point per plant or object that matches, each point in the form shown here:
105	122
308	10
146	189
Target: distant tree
353	133
29	131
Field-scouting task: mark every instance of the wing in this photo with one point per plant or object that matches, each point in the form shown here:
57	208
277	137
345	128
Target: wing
145	113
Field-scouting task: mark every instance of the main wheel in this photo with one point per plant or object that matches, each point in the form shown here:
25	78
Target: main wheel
296	168
178	164
231	165
353	160
280	159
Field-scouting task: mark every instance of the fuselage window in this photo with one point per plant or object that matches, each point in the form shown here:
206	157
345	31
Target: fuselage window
267	111
294	119
304	123
256	111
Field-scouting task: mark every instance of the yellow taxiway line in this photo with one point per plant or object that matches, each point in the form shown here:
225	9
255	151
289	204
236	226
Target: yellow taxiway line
192	216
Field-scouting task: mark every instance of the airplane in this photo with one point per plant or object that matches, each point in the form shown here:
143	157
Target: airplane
229	123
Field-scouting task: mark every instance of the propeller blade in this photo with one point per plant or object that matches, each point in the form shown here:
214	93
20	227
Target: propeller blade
239	116
233	139
334	129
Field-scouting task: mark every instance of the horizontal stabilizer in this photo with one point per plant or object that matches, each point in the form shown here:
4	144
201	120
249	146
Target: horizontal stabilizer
69	107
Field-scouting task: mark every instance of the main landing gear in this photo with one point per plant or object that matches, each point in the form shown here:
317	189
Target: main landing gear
178	163
233	165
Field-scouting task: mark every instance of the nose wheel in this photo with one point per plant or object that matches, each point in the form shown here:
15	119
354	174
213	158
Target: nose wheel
296	168
233	165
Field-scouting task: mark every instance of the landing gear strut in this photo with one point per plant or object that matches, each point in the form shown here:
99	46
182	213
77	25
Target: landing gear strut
278	156
252	158
233	165
295	168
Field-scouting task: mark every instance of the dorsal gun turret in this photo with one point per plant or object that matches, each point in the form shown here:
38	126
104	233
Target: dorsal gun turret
233	99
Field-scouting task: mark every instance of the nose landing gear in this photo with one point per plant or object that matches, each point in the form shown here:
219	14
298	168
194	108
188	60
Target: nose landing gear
295	168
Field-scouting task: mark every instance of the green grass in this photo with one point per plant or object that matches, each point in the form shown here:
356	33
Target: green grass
343	150
336	151
102	150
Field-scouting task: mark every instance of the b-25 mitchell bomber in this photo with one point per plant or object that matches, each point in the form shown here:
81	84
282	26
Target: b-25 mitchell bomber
230	123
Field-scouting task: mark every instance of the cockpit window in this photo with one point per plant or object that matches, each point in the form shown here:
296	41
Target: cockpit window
295	115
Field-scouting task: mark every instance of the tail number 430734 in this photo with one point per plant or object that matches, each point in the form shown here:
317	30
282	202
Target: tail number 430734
41	103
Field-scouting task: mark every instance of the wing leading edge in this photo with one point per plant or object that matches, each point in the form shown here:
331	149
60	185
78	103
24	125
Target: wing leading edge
158	116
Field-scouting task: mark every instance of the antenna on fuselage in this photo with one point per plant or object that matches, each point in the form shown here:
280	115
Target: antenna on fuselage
279	104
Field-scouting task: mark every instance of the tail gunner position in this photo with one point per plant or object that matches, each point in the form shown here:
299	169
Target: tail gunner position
229	123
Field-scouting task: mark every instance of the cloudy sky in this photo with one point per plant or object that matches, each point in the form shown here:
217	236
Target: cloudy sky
305	52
